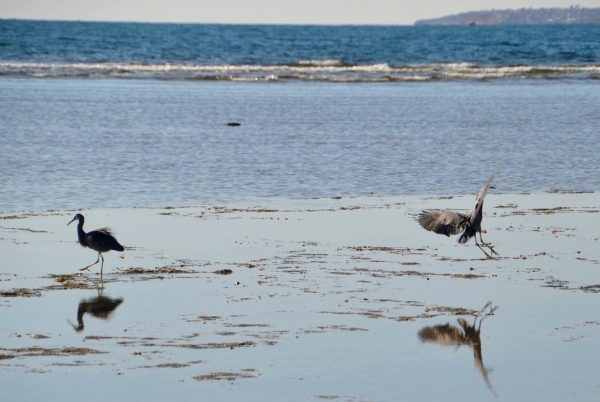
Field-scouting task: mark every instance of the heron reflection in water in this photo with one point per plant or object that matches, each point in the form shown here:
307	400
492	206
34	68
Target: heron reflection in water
466	334
100	307
452	223
101	240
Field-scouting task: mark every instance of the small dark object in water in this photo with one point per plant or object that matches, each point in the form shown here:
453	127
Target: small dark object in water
101	240
233	124
452	223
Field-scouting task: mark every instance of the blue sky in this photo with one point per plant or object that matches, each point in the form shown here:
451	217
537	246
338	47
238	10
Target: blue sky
403	12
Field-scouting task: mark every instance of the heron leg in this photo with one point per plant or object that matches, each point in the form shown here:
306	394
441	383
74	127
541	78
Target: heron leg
483	309
482	242
478	314
478	245
492	310
84	268
488	245
102	267
484	252
99	288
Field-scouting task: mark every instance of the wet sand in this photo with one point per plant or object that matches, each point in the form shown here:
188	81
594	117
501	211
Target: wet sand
339	298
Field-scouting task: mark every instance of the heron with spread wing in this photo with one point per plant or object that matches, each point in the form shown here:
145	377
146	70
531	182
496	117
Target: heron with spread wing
452	223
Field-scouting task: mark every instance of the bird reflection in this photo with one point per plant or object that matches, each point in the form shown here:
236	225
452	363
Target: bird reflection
466	334
100	307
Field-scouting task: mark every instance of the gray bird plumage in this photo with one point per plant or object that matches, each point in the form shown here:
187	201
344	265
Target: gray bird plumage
452	223
101	240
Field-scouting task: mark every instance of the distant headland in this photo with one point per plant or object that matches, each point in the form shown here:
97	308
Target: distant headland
523	16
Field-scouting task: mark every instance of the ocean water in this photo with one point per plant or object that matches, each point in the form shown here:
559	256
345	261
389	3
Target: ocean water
121	115
307	53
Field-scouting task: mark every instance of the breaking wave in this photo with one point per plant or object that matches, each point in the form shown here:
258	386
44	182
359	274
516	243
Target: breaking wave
331	70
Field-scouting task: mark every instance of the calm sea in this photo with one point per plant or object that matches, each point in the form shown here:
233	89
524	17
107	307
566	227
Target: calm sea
120	115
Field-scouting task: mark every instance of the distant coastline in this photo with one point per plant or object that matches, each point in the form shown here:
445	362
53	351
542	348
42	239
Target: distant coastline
523	16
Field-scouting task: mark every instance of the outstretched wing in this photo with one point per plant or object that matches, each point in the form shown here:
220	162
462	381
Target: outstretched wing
443	222
483	193
103	240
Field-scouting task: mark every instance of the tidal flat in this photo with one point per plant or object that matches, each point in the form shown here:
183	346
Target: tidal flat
336	298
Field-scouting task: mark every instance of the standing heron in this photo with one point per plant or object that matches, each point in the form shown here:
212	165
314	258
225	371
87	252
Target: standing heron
452	223
101	240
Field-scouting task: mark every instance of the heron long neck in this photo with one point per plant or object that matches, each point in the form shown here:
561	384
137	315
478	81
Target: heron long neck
477	217
81	233
480	212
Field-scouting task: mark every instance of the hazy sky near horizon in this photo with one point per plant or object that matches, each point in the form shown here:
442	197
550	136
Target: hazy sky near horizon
400	12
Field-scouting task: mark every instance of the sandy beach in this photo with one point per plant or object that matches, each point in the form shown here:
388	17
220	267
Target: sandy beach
333	298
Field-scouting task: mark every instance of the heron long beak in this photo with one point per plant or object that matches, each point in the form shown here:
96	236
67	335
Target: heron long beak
493	187
77	328
74	219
